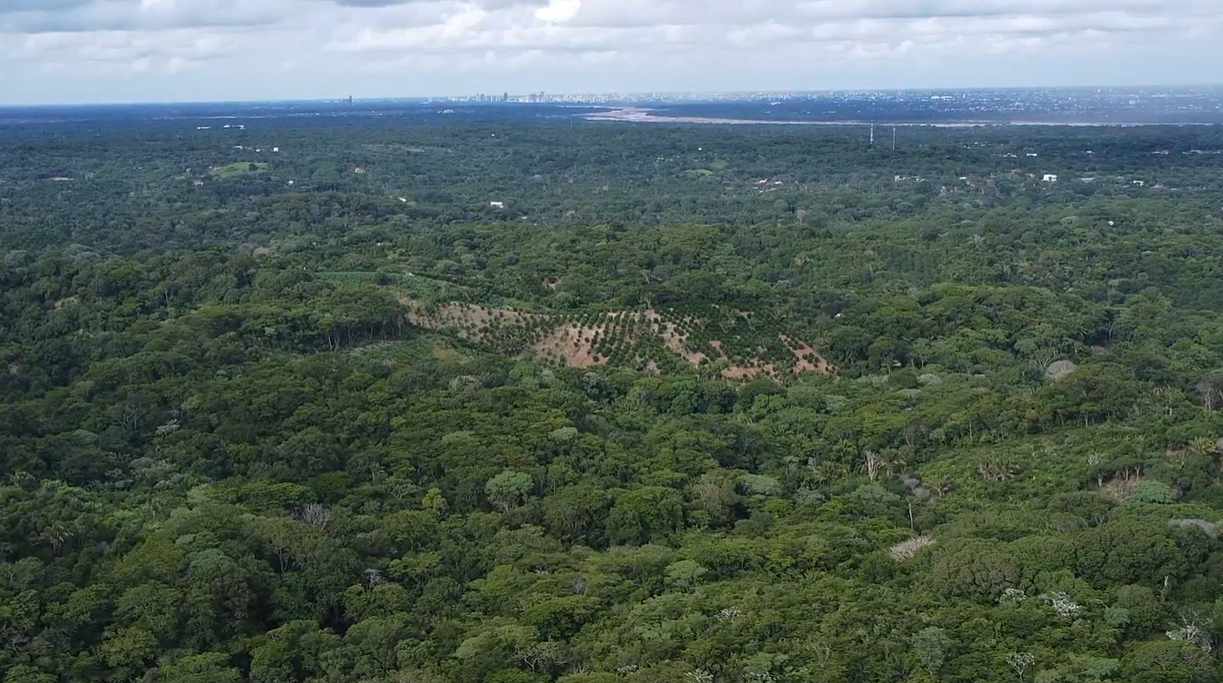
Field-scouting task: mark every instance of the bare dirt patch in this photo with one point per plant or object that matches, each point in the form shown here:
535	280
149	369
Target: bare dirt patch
573	345
806	358
639	339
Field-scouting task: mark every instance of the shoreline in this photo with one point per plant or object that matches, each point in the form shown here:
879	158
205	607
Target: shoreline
646	115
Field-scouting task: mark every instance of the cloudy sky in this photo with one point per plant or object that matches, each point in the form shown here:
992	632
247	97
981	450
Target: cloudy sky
57	51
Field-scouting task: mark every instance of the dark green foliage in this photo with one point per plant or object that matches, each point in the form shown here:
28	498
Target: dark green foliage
229	454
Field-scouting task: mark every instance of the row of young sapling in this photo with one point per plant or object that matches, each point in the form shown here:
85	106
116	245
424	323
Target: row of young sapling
622	338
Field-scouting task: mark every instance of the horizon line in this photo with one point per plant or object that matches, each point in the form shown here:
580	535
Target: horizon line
626	95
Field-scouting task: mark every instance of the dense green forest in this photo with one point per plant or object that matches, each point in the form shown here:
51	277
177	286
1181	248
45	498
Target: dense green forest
529	399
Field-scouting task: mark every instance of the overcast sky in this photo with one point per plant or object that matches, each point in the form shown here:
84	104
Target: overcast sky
58	51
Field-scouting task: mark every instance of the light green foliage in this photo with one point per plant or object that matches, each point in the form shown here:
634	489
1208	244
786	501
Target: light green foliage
685	573
508	489
931	645
1152	492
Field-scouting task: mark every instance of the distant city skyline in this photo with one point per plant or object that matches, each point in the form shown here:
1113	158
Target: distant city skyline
100	51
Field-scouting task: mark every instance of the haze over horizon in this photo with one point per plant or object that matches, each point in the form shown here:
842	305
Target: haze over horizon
94	51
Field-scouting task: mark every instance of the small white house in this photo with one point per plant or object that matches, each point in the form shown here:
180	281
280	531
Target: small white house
496	205
1049	178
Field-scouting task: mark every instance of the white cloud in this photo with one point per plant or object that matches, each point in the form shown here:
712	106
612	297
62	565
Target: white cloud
559	11
392	47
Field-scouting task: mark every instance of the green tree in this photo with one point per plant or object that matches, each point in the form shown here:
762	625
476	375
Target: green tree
508	489
210	667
